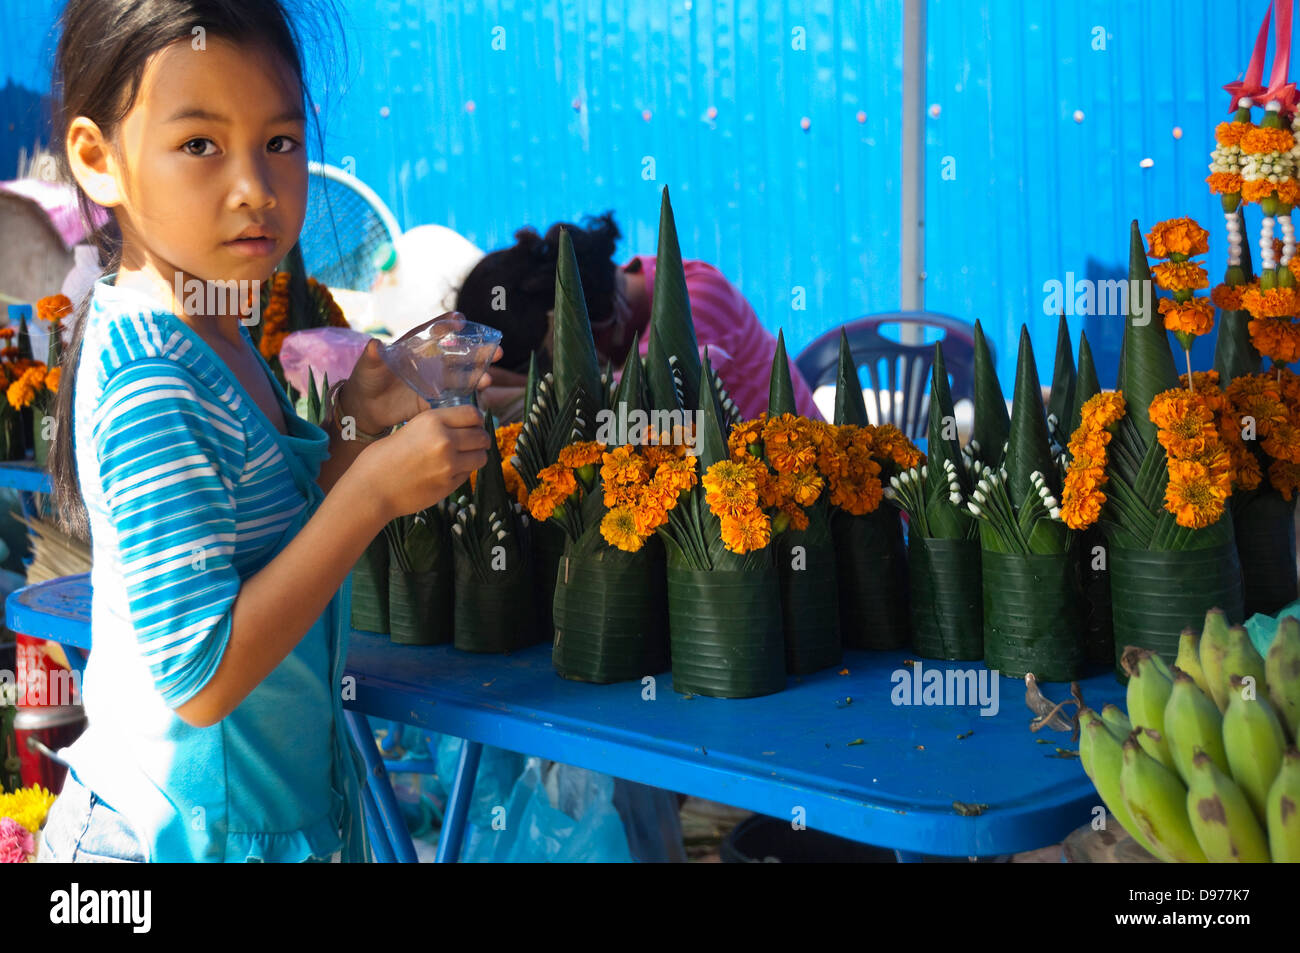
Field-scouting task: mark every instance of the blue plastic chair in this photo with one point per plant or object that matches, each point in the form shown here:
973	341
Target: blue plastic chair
898	373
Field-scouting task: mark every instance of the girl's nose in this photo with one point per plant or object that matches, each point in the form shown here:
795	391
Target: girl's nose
252	185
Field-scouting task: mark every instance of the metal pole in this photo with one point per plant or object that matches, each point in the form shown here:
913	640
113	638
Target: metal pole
912	230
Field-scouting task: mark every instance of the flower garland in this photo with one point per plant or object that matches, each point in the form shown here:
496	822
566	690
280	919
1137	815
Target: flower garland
1188	317
1270	404
1082	497
1201	472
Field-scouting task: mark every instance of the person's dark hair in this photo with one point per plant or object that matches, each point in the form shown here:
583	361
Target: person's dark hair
513	288
103	48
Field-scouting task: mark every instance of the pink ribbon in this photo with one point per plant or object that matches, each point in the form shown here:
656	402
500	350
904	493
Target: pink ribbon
1278	87
1249	86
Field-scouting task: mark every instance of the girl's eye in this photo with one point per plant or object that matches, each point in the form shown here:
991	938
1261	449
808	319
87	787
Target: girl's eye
286	144
201	152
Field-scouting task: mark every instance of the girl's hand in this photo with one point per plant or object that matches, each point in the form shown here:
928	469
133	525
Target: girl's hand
427	459
377	399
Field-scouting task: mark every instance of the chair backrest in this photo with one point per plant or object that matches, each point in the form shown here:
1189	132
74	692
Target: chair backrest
898	373
346	226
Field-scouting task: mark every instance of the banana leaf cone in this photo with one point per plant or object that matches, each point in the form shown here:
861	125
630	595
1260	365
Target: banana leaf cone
547	541
1157	594
370	588
611	614
672	356
1032	610
1064	380
1094	575
576	367
946	598
805	559
495	609
1234	354
1264	525
992	423
946	519
724	617
1146	362
870	559
420	606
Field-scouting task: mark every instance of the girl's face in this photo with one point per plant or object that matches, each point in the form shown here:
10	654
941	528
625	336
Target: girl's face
214	150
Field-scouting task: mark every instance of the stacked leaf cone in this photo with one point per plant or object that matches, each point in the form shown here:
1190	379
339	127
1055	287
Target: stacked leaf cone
1204	765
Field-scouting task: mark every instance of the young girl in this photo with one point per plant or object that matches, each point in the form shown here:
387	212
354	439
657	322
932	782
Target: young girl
223	526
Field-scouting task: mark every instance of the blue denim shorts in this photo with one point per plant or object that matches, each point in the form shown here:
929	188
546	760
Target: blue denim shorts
81	828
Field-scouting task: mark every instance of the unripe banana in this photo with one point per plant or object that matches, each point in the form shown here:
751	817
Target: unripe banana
1148	694
1157	799
1254	740
1220	815
1214	646
1102	755
1242	660
1117	721
1282	672
1284	811
1192	722
1189	660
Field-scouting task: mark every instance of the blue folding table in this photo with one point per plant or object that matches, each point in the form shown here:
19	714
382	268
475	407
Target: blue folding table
832	752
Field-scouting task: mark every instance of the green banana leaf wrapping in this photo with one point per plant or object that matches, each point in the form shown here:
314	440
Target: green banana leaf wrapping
1157	594
946	598
1086	385
673	365
810	605
1146	361
725	630
1064	378
370	588
1264	524
871	576
1032	615
420	606
780	386
547	540
1098	630
611	615
492	616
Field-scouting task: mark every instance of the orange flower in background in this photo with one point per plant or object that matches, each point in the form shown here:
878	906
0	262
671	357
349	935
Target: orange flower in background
892	444
1224	183
1186	423
1284	477
1228	297
1273	303
1260	139
53	307
745	433
1191	317
1178	236
1230	133
52	379
1180	276
788	444
1195	495
7	333
1275	338
581	454
1288	190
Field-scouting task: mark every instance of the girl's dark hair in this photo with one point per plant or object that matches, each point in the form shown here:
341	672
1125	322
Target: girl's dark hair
103	48
513	288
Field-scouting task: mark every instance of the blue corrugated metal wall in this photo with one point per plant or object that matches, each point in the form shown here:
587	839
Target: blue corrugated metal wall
1017	191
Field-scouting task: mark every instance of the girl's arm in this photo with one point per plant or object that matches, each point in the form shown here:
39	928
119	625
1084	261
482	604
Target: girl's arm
412	468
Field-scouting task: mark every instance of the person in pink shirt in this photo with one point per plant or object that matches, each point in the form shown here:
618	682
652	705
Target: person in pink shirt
513	290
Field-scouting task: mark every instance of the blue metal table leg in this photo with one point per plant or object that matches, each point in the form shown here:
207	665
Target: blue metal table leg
380	846
379	792
453	824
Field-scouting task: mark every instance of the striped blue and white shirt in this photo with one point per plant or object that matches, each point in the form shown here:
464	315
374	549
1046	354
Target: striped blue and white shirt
190	489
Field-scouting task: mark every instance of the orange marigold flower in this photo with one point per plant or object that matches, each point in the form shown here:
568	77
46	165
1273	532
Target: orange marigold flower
623	466
1230	133
52	379
656	456
748	533
560	481
745	433
1273	303
1224	183
581	454
1284	477
802	487
1080	507
677	474
1193	495
619	529
1102	410
1228	297
1260	139
1275	338
1192	317
53	307
1254	190
1180	275
1185	422
1177	236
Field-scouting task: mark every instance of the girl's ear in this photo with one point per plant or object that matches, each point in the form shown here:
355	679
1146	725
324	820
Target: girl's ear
93	163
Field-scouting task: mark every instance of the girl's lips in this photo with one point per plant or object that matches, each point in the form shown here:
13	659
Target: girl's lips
252	247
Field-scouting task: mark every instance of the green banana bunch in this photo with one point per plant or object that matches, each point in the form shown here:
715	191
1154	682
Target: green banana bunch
1221	817
1157	799
1254	741
1101	750
1193	723
1282	673
1284	811
1117	721
1241	660
1149	689
1189	658
1214	647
